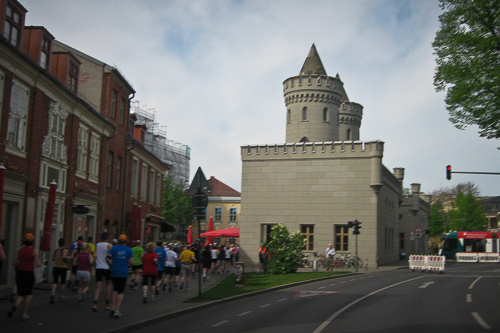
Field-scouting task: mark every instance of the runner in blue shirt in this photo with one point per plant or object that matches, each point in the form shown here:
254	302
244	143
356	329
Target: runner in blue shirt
162	256
121	258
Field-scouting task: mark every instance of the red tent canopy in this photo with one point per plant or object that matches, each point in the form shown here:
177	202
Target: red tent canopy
229	232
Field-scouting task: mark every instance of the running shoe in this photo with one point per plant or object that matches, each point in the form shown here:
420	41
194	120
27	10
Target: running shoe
107	306
10	314
117	314
25	317
94	308
153	298
112	311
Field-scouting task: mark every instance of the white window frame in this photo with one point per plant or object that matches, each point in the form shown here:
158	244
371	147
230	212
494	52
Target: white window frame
218	214
233	214
144	182
135	177
53	143
45	181
18	119
82	151
95	146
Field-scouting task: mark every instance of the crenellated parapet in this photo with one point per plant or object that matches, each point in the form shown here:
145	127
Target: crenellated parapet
327	149
313	88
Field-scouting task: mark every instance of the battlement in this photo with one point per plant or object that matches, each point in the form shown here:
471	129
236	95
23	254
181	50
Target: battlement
351	107
300	150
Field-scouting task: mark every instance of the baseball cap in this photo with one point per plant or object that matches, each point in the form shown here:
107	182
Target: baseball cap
122	238
29	237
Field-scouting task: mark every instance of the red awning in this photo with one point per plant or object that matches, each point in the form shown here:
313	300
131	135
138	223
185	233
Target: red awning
229	232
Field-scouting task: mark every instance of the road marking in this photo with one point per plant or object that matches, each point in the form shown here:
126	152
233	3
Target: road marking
473	283
220	323
321	287
244	313
361	278
332	284
480	321
468	298
313	293
352	280
342	282
265	306
281	300
336	314
425	285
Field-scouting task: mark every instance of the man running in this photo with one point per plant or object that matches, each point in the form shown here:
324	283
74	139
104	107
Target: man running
121	257
102	270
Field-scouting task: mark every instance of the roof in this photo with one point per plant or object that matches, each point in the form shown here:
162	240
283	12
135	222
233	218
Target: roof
313	64
221	189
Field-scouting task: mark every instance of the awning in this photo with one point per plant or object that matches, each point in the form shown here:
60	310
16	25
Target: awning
229	232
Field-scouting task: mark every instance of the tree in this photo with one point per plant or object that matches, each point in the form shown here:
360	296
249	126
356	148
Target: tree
467	47
437	220
467	214
177	208
285	250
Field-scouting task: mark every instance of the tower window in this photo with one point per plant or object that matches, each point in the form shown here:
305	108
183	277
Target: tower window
325	115
304	113
289	117
348	136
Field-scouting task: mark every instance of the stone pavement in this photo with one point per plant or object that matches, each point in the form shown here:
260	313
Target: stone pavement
74	318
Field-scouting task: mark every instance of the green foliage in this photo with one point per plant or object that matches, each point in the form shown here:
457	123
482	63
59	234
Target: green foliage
436	220
285	250
467	47
177	208
467	214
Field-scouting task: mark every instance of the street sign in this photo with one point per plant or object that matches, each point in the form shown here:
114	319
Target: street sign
418	229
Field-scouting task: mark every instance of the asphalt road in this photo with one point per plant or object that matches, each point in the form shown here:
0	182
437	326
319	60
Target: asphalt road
463	299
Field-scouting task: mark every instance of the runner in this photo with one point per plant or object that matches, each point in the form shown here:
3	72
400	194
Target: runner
59	271
162	256
121	257
150	271
138	252
102	271
83	261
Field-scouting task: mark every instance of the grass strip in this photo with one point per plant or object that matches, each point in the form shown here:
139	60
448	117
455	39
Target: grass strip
257	281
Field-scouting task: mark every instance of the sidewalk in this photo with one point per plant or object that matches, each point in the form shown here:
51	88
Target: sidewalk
68	315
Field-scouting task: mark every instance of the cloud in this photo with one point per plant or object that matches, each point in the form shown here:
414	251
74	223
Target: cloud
213	71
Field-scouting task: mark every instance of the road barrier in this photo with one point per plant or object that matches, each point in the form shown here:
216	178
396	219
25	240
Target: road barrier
427	263
478	257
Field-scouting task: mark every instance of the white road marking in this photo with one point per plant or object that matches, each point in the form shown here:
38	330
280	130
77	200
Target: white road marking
244	313
473	283
264	306
468	298
425	285
281	300
332	284
480	321
352	280
220	323
336	314
321	287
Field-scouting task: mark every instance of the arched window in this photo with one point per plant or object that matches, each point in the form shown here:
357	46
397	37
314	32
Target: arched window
288	116
304	139
304	113
348	138
325	115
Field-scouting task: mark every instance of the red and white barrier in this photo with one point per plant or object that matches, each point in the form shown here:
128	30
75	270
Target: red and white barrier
427	263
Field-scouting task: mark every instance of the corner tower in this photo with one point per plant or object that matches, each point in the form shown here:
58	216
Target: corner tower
318	109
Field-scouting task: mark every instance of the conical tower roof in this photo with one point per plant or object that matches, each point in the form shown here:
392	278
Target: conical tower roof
313	64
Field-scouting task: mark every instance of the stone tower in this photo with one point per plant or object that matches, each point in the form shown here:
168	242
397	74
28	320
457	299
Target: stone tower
318	108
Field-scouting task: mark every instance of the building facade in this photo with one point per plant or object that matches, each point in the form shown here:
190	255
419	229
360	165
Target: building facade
322	177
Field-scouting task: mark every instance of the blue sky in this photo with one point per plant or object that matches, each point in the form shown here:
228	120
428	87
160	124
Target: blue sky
213	71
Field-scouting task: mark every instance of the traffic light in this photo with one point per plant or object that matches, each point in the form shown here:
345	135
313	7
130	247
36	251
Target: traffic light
350	224
448	172
357	226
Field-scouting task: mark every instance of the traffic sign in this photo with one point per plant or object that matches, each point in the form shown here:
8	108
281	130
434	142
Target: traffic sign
418	229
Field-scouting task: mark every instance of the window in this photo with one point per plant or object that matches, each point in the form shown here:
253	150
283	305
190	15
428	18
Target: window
109	169
348	136
50	173
118	173
325	115
308	232
218	214
289	117
18	116
144	182
72	76
81	155
159	182
304	113
135	177
13	25
45	54
152	181
341	238
122	111
53	143
233	214
113	104
95	145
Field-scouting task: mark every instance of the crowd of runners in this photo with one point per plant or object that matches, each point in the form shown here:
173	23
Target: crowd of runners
155	267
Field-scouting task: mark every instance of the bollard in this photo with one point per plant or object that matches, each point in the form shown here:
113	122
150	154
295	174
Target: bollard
239	270
315	265
366	264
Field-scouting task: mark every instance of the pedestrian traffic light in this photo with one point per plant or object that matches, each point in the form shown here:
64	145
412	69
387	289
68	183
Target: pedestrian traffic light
448	172
357	226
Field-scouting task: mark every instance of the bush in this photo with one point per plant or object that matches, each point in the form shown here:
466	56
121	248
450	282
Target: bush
285	250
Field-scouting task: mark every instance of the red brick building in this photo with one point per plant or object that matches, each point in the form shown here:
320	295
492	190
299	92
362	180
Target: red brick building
64	117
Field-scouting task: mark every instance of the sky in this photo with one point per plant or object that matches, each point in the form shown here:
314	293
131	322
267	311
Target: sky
213	72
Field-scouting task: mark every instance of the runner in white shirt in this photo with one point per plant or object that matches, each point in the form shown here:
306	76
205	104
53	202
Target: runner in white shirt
172	257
